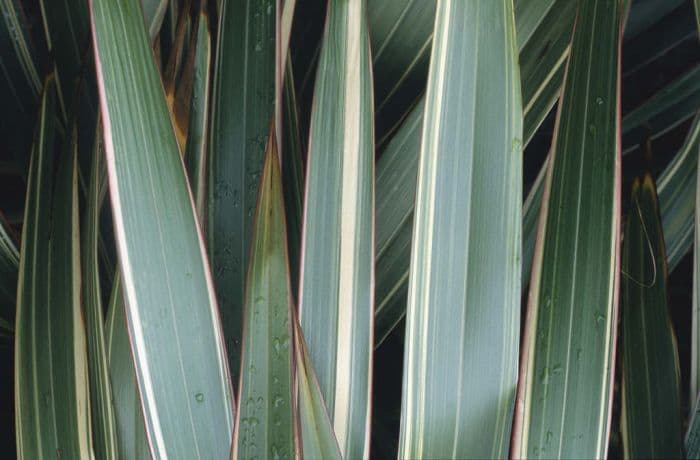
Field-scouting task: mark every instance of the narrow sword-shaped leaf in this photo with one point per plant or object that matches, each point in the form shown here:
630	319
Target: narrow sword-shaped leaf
318	438
265	426
103	428
396	167
676	196
401	33
172	315
565	386
242	107
651	425
463	313
696	4
51	387
195	149
336	287
131	431
9	264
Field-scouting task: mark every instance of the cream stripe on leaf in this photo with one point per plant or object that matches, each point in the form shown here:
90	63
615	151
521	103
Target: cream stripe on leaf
336	276
543	52
566	380
172	315
52	409
463	313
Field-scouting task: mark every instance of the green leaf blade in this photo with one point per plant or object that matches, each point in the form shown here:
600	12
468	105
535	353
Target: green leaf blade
542	58
51	387
171	309
265	421
650	373
337	270
463	314
242	107
566	376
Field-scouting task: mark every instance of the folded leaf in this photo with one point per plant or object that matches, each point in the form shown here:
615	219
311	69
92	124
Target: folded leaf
650	373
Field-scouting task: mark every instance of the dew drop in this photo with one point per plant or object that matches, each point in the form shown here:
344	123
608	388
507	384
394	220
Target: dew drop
276	345
278	401
599	100
517	143
199	397
599	318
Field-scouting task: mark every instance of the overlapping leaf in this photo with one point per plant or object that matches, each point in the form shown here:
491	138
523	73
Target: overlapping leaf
242	106
266	423
172	314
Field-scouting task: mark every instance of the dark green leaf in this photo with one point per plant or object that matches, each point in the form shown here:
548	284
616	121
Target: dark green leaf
242	107
650	372
566	380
